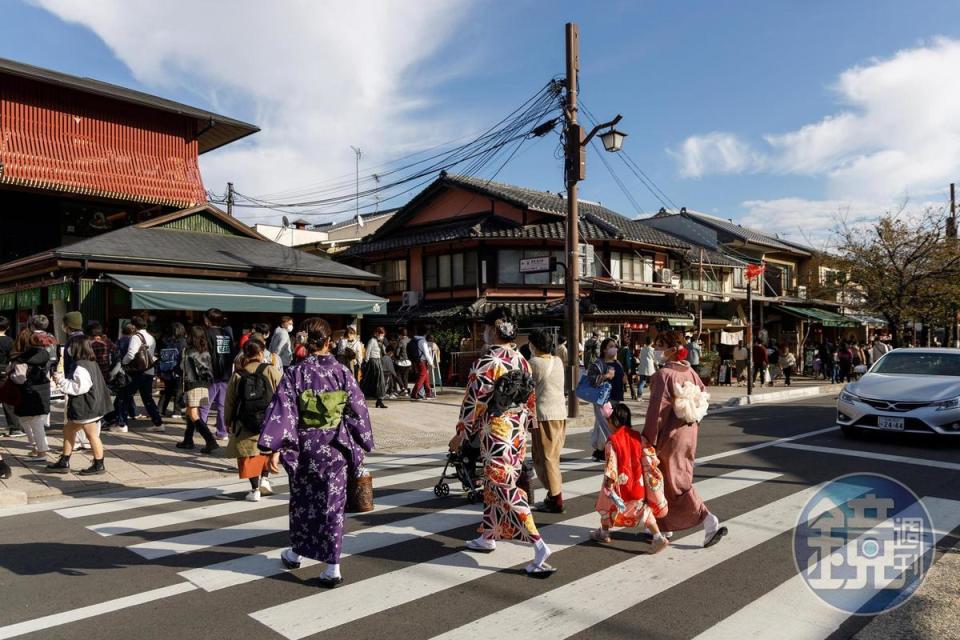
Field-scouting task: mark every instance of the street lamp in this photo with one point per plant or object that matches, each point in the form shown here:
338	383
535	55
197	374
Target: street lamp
612	140
575	171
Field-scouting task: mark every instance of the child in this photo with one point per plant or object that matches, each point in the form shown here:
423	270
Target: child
624	500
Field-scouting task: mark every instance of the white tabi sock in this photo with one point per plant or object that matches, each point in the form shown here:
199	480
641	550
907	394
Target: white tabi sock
332	571
710	525
540	552
291	557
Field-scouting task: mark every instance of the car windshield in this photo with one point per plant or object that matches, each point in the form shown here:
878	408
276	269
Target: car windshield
921	364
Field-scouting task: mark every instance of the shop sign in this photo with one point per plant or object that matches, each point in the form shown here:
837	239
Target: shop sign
636	326
541	264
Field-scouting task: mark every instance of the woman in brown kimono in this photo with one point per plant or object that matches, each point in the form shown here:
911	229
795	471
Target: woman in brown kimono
676	444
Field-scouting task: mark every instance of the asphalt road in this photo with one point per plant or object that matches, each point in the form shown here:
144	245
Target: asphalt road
202	562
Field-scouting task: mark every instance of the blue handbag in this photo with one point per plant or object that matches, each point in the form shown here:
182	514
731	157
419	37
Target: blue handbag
589	393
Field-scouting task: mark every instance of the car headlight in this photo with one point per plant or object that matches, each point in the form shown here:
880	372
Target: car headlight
847	397
947	405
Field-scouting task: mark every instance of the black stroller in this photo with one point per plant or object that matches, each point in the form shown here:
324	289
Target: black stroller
464	462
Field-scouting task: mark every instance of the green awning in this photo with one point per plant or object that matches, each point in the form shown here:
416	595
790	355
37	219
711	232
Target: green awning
194	294
820	316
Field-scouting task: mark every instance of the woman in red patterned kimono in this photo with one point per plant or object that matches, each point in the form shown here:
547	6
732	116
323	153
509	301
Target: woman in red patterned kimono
676	444
503	444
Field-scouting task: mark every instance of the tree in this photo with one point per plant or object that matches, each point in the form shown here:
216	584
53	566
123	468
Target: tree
904	267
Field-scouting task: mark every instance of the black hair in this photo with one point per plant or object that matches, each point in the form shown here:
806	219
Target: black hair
621	416
94	329
215	317
80	349
4	324
318	333
501	319
606	343
261	327
139	322
542	340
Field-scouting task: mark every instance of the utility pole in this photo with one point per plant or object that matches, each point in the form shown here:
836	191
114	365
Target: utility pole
229	198
749	336
573	168
700	299
356	151
952	236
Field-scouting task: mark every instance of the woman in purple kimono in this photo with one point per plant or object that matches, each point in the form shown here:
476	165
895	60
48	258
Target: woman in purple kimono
676	442
318	426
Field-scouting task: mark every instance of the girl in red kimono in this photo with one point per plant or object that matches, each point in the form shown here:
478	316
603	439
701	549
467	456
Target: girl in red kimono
676	442
625	499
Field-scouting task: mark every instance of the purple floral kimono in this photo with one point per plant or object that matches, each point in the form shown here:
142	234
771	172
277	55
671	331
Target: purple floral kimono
318	461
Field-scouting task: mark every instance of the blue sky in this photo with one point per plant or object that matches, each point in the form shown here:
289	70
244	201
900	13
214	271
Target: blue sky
779	114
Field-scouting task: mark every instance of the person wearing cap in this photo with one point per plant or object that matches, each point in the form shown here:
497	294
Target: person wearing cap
73	327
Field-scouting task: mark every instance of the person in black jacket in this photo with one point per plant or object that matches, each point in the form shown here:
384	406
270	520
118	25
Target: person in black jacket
88	400
28	369
6	350
222	354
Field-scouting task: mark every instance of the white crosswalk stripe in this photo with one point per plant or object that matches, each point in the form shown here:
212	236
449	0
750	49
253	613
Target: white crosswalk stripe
323	611
785	612
571	605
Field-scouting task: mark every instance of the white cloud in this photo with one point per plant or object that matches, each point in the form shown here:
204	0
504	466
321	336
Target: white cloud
897	136
715	153
814	222
320	76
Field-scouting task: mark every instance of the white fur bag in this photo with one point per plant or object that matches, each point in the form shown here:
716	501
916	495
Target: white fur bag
689	402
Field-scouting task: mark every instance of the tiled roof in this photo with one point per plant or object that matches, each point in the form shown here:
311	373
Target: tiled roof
549	202
478	309
715	258
597	223
619	312
744	233
187	248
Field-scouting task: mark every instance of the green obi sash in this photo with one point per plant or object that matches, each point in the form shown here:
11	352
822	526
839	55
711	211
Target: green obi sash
321	409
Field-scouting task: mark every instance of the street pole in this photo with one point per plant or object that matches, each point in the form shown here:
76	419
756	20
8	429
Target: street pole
356	151
572	166
700	300
952	234
749	336
229	198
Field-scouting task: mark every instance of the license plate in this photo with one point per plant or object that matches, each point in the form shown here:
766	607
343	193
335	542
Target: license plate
893	424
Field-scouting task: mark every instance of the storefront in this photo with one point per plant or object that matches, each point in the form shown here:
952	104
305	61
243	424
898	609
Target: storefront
175	267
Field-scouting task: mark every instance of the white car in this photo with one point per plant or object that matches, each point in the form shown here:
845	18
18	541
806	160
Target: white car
907	390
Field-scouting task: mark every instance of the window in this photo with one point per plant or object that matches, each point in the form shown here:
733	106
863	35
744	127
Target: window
739	278
630	267
508	267
393	275
450	270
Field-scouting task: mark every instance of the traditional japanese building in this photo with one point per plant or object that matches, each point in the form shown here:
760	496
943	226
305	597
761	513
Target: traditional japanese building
454	251
105	211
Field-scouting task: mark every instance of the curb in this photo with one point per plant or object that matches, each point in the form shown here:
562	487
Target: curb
778	396
12	498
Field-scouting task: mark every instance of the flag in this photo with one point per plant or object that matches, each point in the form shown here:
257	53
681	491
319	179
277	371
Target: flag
755	270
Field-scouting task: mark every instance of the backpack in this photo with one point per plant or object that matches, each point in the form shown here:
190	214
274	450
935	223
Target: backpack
168	361
512	389
413	351
204	374
253	397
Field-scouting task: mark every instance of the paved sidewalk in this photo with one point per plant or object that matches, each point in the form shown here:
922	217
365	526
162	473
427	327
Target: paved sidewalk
140	459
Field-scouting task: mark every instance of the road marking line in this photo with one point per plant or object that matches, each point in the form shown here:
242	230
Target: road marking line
762	445
953	466
351	602
164	498
583	603
57	619
262	565
793	612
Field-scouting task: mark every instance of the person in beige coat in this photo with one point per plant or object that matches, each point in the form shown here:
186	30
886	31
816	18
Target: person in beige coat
548	438
243	427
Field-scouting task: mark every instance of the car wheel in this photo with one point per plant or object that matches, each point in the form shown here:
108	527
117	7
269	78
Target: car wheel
851	433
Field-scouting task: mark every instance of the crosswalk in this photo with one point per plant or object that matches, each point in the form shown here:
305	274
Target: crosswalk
595	584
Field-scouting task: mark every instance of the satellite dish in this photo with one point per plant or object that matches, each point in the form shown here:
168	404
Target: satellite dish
286	223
